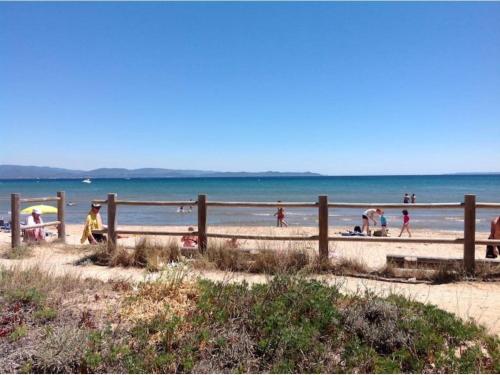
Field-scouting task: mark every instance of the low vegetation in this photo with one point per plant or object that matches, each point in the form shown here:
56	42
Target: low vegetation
154	255
150	254
20	252
180	324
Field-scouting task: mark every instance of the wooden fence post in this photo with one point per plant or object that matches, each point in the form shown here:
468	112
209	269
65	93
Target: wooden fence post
15	226
323	226
202	223
469	233
61	228
111	222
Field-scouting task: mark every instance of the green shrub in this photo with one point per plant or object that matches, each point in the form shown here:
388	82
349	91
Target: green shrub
45	314
19	332
26	296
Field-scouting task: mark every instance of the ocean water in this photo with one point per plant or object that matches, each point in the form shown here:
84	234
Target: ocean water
373	189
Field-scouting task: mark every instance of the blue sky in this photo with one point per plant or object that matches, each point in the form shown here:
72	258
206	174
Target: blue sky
335	88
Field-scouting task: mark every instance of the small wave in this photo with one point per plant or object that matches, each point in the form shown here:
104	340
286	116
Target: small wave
454	218
255	214
298	214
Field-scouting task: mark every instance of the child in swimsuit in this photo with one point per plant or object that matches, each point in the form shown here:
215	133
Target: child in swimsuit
281	217
383	223
406	223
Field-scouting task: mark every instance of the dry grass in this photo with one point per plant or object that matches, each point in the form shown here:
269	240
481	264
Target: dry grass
271	261
154	254
17	279
20	252
150	254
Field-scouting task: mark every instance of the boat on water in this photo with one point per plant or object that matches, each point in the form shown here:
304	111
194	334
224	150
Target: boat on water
87	181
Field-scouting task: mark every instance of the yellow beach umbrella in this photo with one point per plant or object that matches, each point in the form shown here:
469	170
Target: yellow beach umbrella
42	207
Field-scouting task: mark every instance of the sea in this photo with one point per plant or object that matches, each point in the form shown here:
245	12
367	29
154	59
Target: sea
369	189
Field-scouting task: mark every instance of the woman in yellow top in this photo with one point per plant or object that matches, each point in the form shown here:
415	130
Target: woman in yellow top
93	223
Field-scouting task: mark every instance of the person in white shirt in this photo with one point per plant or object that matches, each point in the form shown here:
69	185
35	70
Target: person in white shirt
35	234
368	215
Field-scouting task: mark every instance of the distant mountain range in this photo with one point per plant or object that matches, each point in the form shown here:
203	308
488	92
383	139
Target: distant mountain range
33	172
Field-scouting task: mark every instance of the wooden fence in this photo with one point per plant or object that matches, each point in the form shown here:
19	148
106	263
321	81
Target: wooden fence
15	203
469	206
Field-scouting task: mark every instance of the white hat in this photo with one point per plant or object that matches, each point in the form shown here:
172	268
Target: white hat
37	211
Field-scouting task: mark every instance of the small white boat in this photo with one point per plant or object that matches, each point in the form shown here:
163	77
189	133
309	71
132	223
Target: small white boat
87	181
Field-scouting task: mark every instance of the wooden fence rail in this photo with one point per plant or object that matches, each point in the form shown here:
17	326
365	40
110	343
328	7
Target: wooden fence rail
469	206
15	206
323	205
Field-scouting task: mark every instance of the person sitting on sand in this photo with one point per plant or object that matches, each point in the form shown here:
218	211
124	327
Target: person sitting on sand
232	243
189	240
93	223
368	215
413	198
35	234
406	198
491	251
280	214
406	223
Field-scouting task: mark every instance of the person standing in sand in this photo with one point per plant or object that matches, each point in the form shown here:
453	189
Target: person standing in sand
368	215
493	251
93	223
383	224
406	223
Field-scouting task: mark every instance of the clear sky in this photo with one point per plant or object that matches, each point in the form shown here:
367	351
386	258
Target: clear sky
335	88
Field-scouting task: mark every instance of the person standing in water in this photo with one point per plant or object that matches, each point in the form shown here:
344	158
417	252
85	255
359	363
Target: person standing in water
406	198
280	217
413	198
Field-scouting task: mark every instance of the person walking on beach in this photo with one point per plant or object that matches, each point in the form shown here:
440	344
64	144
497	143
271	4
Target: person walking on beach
413	198
491	251
93	222
406	198
368	215
406	223
280	217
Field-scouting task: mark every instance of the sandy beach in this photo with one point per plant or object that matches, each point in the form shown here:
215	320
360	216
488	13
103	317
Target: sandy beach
477	300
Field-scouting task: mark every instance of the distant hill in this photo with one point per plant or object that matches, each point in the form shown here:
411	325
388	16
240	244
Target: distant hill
32	172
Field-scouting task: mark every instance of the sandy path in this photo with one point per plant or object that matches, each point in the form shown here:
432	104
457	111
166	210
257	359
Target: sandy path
477	300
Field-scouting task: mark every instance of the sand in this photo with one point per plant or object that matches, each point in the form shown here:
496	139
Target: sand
477	300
